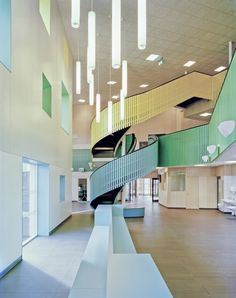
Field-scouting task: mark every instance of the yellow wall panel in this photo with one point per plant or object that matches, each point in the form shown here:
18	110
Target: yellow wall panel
142	107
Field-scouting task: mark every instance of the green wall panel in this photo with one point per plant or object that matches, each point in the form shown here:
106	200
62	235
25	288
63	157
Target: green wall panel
65	108
225	109
183	148
45	12
187	147
80	159
47	96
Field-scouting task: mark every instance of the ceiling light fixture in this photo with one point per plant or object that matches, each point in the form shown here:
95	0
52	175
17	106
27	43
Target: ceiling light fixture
116	33
98	107
189	63
125	77
75	13
220	68
206	114
115	96
91	40
143	86
111	83
109	118
78	77
81	100
122	105
152	57
141	24
89	75
91	91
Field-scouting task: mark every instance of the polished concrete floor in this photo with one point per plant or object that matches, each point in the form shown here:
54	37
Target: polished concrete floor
195	250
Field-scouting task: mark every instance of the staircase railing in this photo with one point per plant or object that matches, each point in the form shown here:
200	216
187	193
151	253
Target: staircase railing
123	170
144	106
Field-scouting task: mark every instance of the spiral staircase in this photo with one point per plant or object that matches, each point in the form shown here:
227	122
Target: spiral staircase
184	148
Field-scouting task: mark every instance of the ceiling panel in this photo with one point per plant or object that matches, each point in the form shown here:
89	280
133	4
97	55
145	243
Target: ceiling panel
179	30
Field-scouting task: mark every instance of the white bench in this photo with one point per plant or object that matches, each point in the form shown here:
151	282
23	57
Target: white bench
111	268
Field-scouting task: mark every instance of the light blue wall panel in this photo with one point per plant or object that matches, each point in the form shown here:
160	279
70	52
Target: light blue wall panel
5	33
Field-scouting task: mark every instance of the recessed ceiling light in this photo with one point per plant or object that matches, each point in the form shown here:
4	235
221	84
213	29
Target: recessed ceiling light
81	100
143	85
115	96
205	114
220	68
152	57
189	63
111	83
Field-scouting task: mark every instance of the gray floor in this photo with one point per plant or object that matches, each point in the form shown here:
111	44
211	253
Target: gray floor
50	263
195	250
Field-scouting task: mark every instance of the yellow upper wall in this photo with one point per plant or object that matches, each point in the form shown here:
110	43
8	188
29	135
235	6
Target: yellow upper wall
144	106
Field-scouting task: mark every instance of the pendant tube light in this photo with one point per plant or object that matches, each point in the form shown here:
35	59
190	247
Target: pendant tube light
78	77
124	77
91	39
116	33
109	118
122	105
75	13
91	91
98	107
141	24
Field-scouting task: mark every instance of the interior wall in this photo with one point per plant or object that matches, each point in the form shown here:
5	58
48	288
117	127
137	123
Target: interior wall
165	123
82	119
25	129
200	189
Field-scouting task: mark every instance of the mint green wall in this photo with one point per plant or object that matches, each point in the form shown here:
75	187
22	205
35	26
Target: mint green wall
225	109
187	147
5	33
183	148
81	158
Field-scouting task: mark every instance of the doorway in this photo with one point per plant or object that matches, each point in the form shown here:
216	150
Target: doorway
29	201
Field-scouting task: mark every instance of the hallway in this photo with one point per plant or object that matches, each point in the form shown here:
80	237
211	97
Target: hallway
193	249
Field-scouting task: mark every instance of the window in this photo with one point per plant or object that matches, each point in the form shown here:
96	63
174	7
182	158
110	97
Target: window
29	200
62	188
65	109
177	181
5	33
47	96
45	12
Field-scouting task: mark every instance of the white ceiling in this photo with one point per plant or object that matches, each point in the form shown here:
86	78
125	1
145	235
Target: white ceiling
179	30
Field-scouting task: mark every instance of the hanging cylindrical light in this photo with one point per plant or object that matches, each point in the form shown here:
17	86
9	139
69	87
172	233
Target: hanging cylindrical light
78	77
91	39
124	77
122	105
141	24
98	107
89	75
91	91
116	33
75	13
109	117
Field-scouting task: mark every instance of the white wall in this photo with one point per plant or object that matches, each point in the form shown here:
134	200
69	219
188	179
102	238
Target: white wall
83	115
200	189
25	129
